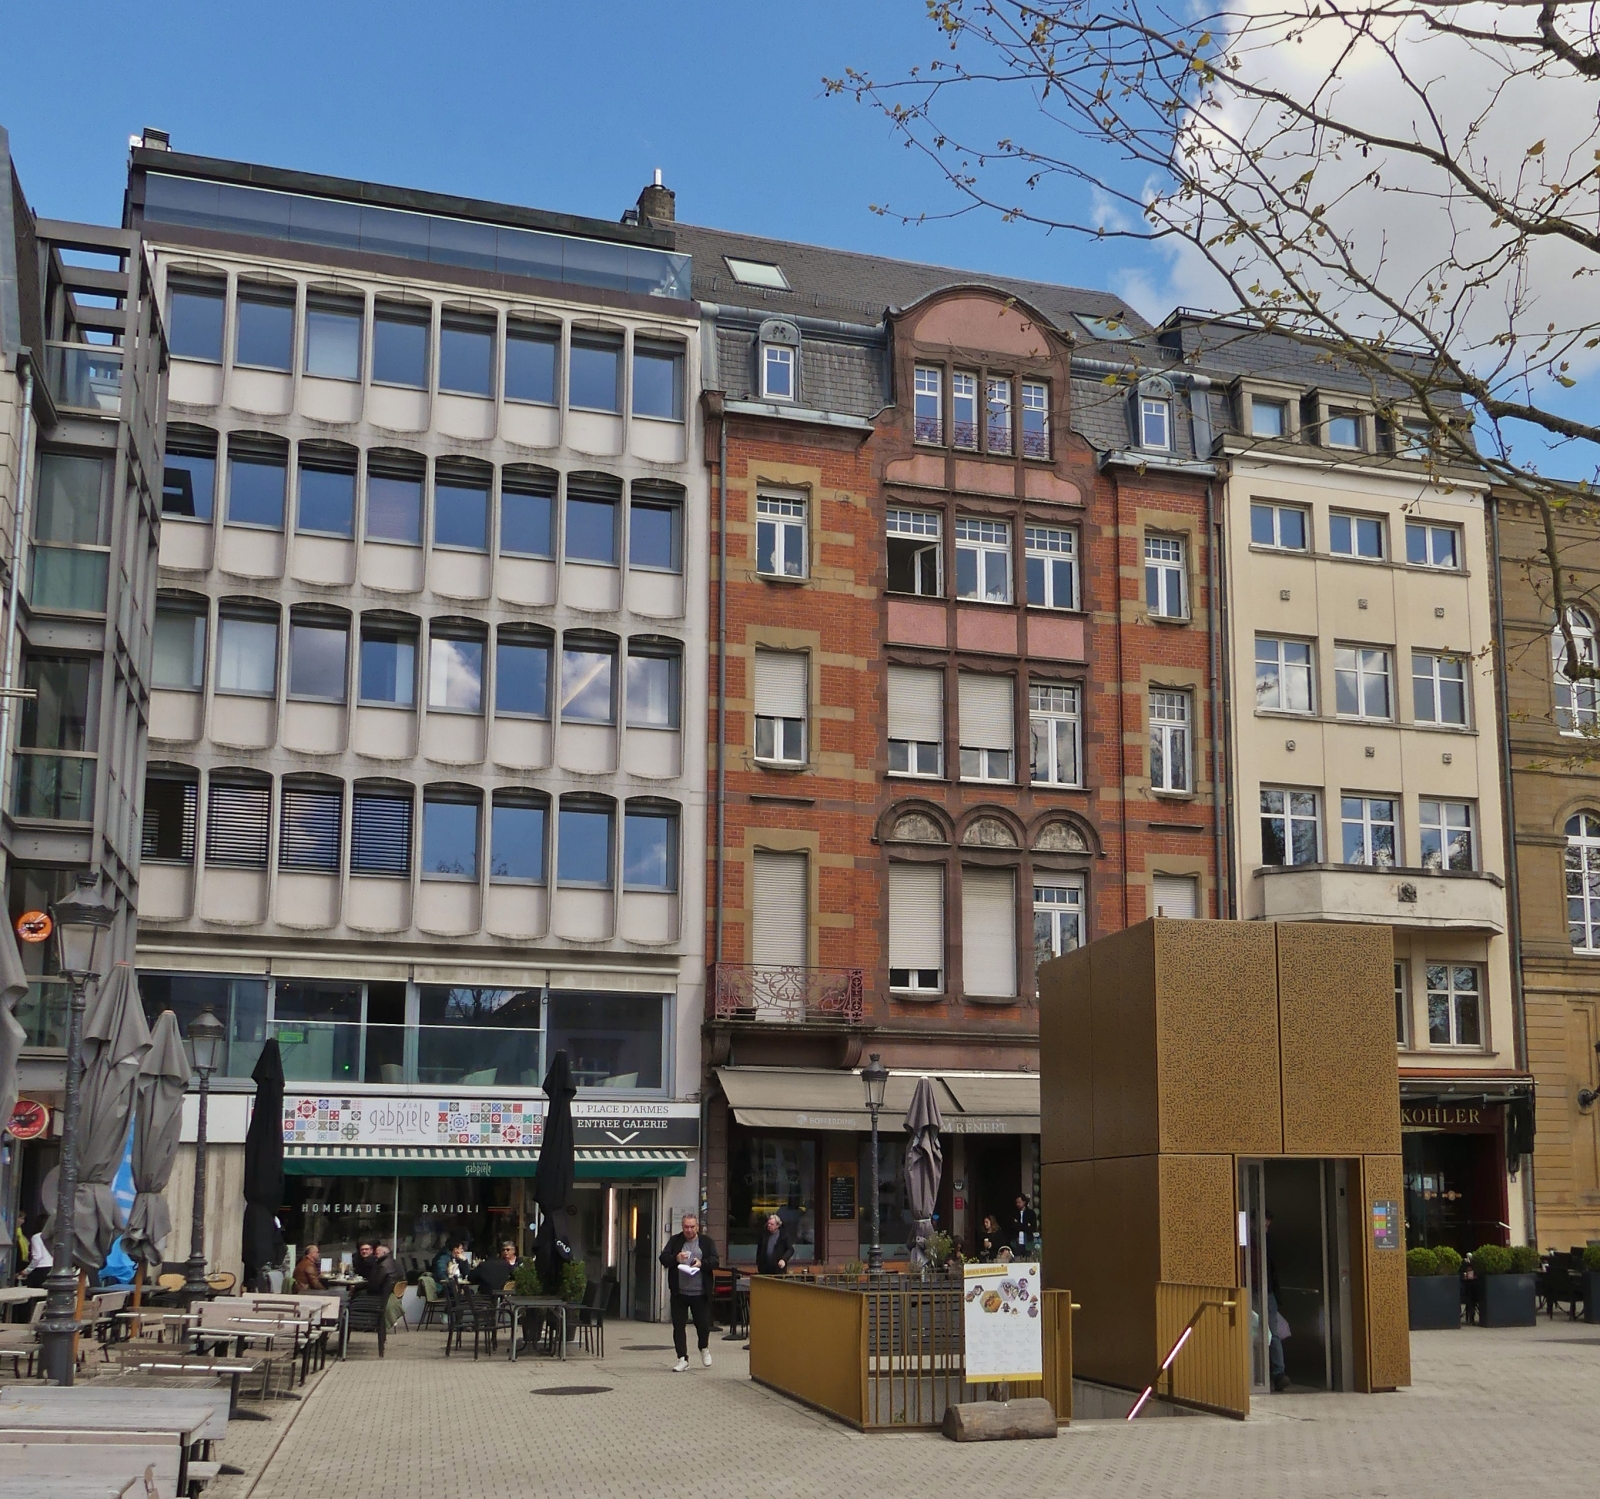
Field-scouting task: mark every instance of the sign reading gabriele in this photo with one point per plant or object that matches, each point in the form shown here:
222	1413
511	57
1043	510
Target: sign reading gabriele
374	1119
1005	1339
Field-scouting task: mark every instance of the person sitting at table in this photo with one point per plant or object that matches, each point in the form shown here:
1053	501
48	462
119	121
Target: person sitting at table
308	1270
40	1260
495	1275
452	1263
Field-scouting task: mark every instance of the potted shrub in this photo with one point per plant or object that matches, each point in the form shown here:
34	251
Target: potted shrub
1591	1283
1506	1284
1433	1288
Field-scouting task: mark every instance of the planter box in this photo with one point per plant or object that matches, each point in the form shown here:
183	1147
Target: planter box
1435	1301
1591	1299
1508	1301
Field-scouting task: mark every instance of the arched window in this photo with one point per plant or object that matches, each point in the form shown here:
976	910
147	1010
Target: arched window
1583	880
1576	702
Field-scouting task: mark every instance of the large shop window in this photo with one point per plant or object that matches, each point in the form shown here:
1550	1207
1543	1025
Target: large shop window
781	904
318	1026
987	726
916	721
894	1213
239	1003
611	1040
478	1037
71	529
916	927
771	1174
989	932
238	818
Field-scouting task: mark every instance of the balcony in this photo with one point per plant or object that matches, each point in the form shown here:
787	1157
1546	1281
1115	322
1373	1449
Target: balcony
786	996
1424	898
88	376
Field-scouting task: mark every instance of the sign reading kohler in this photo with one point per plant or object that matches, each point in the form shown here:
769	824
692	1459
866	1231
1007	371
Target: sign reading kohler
368	1119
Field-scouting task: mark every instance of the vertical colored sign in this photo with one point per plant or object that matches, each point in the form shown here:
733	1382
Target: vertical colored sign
1385	1223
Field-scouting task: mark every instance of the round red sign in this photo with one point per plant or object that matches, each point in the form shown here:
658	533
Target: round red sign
29	1119
34	926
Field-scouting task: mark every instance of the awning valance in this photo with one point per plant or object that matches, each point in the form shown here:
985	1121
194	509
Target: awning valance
406	1160
817	1098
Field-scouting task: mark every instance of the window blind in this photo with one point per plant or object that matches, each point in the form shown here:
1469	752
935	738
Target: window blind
986	717
310	822
167	831
916	704
1174	895
780	684
778	931
380	834
989	931
916	916
237	819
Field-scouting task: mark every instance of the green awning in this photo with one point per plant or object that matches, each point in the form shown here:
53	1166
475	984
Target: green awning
413	1160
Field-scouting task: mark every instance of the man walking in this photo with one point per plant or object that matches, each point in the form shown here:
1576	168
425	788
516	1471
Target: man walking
773	1248
689	1259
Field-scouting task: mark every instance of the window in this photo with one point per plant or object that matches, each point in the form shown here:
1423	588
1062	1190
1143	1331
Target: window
1057	920
1290	826
394	497
1454	1016
594	381
1169	741
333	336
914	552
658	379
317	647
592	501
400	344
983	560
1283	675
256	474
238	814
466	354
380	831
1355	535
928	404
916	721
1583	881
584	844
180	647
55	765
167	830
461	507
1439	688
655	528
1402	1006
1175	896
327	482
1361	682
194	318
1051	564
70	530
997	414
781	550
777	372
247	653
1268	418
614	1040
310	825
1413	437
516	838
388	666
1343	429
989	932
522	673
189	473
449	833
1282	526
1055	727
527	507
1433	546
649	848
986	726
1447	841
653	673
1577	702
964	410
455	673
1035	420
757	273
1155	423
1370	835
916	927
779	908
264	337
587	670
531	353
782	688
1164	577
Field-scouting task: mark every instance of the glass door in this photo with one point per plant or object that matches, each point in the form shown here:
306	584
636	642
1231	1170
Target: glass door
636	1216
1252	1238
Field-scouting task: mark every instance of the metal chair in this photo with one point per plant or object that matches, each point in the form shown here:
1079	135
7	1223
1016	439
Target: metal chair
432	1301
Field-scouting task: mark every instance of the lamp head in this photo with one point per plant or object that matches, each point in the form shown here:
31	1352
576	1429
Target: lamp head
875	1078
82	920
205	1042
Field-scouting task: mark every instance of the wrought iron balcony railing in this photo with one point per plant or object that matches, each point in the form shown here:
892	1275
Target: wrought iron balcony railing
784	995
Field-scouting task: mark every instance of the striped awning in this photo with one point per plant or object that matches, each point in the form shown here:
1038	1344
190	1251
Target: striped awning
464	1160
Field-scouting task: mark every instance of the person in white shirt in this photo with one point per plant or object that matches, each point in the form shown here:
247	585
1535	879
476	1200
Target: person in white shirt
40	1260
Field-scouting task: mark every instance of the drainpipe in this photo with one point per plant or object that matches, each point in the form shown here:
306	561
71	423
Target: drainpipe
1218	781
1122	694
722	672
19	524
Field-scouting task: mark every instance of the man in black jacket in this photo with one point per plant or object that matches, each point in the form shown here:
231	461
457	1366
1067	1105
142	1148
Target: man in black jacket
689	1259
1023	1228
493	1275
773	1248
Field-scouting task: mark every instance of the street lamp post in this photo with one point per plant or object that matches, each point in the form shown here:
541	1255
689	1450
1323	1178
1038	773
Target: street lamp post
205	1042
875	1078
81	923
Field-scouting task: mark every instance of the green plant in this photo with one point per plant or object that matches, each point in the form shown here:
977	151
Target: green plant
1449	1260
1421	1261
570	1287
526	1278
940	1248
854	1268
1524	1259
1491	1259
1591	1257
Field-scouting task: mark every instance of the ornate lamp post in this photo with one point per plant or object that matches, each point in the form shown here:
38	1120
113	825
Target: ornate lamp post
205	1044
81	922
875	1078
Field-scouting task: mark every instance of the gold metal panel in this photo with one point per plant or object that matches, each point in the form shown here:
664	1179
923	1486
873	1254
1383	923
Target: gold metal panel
1124	1025
1388	1319
1056	1386
1212	1370
1066	1058
810	1342
1341	1089
1198	1227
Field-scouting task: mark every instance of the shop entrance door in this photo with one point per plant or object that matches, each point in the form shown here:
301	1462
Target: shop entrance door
635	1230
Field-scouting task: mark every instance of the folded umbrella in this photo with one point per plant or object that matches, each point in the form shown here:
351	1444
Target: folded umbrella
553	1178
924	1164
262	1244
157	1122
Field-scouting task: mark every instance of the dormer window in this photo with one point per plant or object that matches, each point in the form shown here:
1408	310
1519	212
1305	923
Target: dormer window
757	273
1343	429
1268	418
1155	423
778	346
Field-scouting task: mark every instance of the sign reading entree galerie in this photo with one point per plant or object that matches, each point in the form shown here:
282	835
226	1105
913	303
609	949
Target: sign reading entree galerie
1004	1336
372	1119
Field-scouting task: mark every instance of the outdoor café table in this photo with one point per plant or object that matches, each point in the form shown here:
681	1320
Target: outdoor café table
191	1415
15	1296
521	1304
156	1373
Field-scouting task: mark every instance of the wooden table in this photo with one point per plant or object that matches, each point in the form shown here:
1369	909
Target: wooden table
89	1464
15	1296
520	1304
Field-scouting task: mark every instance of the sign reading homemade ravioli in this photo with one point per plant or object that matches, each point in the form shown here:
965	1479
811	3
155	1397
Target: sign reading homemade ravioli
1004	1337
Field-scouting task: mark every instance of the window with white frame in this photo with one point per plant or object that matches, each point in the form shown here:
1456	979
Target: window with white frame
1446	833
1291	826
1438	688
1169	741
1155	423
928	398
781	536
963	410
1355	535
1455	1004
1402	1006
1057	918
1283	675
989	932
1371	832
781	699
916	927
1583	881
1284	527
1051	565
914	552
1035	419
997	414
916	721
777	372
1428	545
987	727
983	560
1164	577
1361	682
1577	702
1055	726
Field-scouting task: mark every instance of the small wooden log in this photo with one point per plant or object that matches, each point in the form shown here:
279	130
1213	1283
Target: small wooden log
999	1421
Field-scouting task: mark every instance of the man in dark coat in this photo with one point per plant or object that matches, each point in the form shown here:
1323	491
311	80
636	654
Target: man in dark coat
690	1259
495	1275
773	1249
1023	1227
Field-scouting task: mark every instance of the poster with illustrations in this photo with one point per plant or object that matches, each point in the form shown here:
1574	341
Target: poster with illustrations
1005	1339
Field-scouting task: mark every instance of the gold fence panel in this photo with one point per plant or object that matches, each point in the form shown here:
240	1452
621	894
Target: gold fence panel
1213	1370
1056	1386
810	1342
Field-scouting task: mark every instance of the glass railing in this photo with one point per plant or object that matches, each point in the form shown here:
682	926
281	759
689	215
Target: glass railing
85	375
334	1052
42	1013
59	787
478	1056
69	578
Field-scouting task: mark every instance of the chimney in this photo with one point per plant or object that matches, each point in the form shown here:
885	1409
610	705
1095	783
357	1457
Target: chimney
658	202
155	140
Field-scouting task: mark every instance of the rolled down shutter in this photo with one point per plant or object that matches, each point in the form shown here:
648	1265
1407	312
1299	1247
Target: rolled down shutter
916	916
780	684
1174	895
916	705
989	931
778	931
986	718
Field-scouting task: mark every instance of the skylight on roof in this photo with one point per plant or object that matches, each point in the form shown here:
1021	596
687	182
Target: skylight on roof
1110	329
757	273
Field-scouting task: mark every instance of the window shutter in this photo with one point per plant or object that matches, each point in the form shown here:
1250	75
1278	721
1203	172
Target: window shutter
308	828
780	684
150	830
986	717
380	835
778	935
1175	895
916	916
989	931
237	818
916	705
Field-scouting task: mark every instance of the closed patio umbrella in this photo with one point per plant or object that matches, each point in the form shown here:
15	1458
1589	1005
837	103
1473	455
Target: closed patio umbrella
552	1180
157	1122
262	1245
13	987
924	1165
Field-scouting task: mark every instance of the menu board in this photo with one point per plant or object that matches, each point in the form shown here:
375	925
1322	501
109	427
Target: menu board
841	1198
1004	1336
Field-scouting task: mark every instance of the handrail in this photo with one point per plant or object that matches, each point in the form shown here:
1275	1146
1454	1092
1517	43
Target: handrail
1177	1348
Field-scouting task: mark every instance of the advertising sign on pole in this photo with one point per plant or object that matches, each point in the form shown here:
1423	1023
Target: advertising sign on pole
1004	1336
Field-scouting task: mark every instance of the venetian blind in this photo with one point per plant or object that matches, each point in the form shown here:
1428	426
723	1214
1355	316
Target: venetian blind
237	819
380	834
309	824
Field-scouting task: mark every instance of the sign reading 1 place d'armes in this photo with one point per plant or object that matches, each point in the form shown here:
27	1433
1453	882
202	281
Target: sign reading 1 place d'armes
1004	1334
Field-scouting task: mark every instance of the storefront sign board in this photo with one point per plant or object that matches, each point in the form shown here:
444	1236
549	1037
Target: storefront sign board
1385	1223
483	1123
841	1199
1004	1336
29	1119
